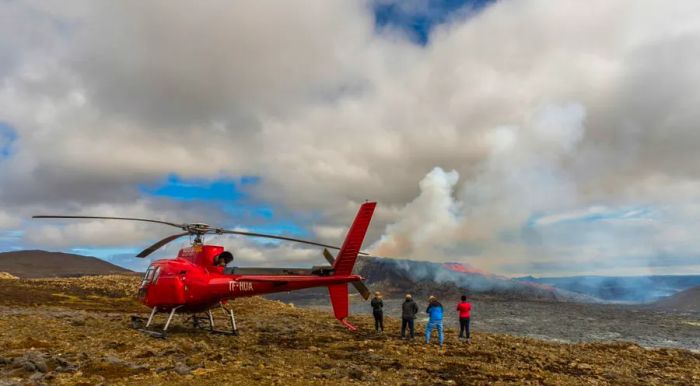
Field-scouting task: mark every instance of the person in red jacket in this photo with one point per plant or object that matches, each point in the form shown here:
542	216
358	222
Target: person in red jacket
464	308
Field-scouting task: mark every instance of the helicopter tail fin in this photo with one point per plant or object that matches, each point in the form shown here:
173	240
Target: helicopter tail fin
344	263
353	241
339	300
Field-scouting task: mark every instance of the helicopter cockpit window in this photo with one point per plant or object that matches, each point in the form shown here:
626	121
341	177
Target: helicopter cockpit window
156	275
145	277
223	258
148	277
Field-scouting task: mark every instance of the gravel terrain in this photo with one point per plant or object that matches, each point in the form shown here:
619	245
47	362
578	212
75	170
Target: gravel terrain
74	331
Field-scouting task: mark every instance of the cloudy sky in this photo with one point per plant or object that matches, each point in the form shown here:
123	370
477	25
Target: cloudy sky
520	136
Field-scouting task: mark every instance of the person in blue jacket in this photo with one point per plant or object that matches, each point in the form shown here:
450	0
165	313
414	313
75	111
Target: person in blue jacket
435	321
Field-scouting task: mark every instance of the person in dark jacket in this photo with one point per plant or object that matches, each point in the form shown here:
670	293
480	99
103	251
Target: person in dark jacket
378	312
434	310
409	309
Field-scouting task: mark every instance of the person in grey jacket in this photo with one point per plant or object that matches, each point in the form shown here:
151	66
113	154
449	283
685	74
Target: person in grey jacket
409	309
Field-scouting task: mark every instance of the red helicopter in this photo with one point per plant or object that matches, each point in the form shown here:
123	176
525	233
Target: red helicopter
198	279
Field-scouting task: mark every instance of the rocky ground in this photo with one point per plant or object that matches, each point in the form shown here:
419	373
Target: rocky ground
573	322
74	331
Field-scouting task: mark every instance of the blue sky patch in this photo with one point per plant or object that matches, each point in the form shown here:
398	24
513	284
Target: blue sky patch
8	136
106	253
249	210
250	180
229	195
417	18
11	239
263	219
221	189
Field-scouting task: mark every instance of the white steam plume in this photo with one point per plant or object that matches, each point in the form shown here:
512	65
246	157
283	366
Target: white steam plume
523	175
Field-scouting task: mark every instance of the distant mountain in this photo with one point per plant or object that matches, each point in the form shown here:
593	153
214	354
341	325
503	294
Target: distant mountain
687	300
395	278
35	264
636	289
452	279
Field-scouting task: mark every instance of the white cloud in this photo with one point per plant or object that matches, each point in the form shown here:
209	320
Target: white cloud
538	107
8	221
326	232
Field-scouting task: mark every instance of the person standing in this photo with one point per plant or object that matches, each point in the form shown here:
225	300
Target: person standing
409	309
378	312
434	311
464	308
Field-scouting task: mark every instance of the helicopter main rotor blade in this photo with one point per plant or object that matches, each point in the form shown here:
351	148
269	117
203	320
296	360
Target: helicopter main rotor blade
263	235
194	229
268	236
160	243
359	286
181	226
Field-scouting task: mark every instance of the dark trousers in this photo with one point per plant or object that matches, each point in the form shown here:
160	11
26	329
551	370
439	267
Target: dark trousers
464	327
378	320
410	323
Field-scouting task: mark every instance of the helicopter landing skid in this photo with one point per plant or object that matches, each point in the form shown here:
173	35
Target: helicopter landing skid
137	323
209	323
153	333
222	332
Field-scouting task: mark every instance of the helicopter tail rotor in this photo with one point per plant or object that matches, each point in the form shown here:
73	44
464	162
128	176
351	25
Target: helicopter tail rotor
359	286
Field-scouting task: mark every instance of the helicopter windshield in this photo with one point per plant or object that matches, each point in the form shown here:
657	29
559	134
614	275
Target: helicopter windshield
151	275
156	275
